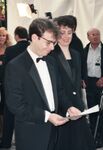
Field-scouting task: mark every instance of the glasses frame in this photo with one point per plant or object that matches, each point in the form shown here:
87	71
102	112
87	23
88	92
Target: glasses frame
49	41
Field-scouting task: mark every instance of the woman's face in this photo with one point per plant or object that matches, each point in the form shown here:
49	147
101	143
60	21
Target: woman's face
3	37
65	36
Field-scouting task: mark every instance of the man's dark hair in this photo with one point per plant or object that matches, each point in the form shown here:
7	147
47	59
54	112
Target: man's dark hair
21	32
67	20
40	25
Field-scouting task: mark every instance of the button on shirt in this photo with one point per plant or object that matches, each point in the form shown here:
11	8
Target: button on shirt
45	79
94	62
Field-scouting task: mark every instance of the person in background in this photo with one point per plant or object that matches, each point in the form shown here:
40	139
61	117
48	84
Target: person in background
33	90
93	73
2	17
21	37
5	41
76	133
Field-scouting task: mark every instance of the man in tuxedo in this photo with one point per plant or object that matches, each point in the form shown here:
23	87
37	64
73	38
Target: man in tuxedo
34	92
21	37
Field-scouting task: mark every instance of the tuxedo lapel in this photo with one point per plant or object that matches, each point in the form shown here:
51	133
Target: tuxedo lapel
73	67
35	76
31	68
66	66
53	80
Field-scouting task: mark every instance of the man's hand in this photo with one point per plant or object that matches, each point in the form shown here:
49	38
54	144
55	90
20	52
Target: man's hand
74	113
57	120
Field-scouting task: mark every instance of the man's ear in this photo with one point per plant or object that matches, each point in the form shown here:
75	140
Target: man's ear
34	37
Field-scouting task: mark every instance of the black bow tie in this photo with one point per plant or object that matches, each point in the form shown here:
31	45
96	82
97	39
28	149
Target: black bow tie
40	58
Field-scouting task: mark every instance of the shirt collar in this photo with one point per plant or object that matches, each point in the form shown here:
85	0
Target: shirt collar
33	55
99	46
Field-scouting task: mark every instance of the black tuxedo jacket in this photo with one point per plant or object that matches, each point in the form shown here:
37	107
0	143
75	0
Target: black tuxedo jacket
26	98
14	50
8	120
74	130
71	79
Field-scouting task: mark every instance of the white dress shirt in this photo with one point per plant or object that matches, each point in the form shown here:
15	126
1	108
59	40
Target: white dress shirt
46	81
94	62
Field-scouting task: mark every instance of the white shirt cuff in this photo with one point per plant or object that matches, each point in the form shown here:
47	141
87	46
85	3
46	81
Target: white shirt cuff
47	114
67	114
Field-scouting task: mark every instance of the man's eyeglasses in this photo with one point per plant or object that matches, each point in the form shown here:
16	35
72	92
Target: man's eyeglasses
49	42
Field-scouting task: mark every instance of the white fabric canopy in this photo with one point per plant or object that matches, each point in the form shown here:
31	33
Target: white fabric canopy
88	12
